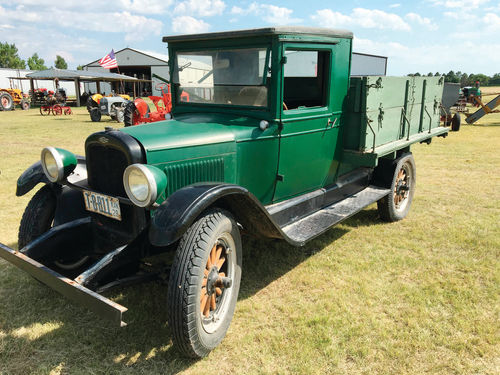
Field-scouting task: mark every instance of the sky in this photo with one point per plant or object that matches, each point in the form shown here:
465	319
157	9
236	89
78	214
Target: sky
418	36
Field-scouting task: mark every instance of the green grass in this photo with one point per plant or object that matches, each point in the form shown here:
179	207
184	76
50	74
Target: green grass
413	297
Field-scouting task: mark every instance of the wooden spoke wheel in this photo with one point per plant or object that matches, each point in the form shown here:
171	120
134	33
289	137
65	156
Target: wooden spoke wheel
396	204
57	110
45	110
204	283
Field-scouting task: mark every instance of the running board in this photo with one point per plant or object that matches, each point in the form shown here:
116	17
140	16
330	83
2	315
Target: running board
319	222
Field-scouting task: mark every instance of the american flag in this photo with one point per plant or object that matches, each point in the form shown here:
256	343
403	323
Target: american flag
109	61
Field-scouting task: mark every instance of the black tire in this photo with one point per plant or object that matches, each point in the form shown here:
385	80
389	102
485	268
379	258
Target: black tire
38	216
37	219
25	104
95	115
128	114
195	331
6	102
455	122
396	205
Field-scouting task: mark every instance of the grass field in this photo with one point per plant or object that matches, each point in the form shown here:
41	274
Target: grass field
413	297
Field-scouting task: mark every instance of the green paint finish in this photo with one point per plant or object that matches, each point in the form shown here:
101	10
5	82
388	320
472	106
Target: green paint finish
324	133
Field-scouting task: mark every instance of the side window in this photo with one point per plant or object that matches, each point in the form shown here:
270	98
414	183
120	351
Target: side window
306	78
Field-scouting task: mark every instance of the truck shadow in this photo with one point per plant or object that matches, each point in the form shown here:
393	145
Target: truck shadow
34	319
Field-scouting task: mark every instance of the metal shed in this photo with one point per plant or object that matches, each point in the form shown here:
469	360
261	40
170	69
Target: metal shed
78	76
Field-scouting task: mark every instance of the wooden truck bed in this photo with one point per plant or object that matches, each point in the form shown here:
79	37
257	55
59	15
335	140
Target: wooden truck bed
387	114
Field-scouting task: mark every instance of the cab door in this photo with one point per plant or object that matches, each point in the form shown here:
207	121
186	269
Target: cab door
309	128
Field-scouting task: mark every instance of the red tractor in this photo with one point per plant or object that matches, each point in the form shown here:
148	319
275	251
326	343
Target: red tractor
137	112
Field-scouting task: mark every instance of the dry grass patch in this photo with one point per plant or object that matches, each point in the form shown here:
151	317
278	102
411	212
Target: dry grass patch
417	296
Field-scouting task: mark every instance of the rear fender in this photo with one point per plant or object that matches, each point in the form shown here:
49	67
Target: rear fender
174	216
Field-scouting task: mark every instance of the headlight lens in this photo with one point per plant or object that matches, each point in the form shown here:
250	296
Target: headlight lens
50	165
57	163
138	184
143	184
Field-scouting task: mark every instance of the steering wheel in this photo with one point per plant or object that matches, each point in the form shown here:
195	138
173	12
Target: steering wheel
285	107
161	86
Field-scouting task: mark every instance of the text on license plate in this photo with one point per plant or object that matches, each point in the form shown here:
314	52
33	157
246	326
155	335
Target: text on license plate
102	204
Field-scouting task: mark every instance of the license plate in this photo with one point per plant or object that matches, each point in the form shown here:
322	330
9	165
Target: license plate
102	204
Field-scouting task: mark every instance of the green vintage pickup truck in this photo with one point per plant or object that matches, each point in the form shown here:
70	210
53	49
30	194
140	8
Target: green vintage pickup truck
276	140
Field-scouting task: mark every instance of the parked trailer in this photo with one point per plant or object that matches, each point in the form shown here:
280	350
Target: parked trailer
282	151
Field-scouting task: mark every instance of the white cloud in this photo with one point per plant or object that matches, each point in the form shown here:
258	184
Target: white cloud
201	8
366	18
135	27
189	25
146	6
462	4
492	22
271	14
428	57
424	21
397	5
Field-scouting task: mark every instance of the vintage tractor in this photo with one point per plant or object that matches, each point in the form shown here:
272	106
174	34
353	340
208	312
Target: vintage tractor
9	98
113	106
137	112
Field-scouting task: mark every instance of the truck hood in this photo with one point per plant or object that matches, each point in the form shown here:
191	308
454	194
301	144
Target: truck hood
193	130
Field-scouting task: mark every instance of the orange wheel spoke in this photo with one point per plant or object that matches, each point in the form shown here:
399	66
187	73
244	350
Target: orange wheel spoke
204	282
206	308
205	272
203	303
218	291
212	302
222	274
217	254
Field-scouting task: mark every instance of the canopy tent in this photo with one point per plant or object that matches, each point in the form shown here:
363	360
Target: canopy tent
78	76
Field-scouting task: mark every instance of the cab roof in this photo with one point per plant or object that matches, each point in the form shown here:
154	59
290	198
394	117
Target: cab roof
277	30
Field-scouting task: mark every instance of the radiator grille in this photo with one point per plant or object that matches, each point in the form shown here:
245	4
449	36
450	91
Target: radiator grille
105	167
187	173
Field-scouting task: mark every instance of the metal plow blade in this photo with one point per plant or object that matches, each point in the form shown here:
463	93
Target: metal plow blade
67	287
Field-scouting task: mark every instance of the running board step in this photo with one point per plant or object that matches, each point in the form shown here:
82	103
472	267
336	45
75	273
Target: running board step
319	222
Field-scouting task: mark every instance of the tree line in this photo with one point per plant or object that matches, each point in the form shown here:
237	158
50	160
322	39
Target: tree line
9	58
465	79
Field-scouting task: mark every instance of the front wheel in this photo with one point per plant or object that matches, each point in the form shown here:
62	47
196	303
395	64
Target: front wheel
396	205
204	283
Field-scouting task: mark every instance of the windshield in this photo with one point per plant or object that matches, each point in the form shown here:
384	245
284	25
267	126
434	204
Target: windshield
231	77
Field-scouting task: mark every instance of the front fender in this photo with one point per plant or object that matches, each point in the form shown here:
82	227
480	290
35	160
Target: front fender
30	178
174	216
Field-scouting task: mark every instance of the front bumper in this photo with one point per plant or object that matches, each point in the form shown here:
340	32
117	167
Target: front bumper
67	287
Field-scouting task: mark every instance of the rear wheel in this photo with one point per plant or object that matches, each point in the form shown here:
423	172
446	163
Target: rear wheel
95	115
130	115
204	283
396	205
91	104
25	104
455	122
6	102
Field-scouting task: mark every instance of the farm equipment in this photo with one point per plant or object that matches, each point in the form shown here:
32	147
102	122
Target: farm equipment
55	109
451	95
9	98
484	110
113	106
137	112
278	148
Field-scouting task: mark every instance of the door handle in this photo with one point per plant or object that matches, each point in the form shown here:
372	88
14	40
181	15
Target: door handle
331	123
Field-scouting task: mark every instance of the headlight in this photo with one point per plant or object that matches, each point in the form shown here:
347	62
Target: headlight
144	183
57	163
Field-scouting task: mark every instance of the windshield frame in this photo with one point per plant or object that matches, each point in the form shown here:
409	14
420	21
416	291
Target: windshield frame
268	68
